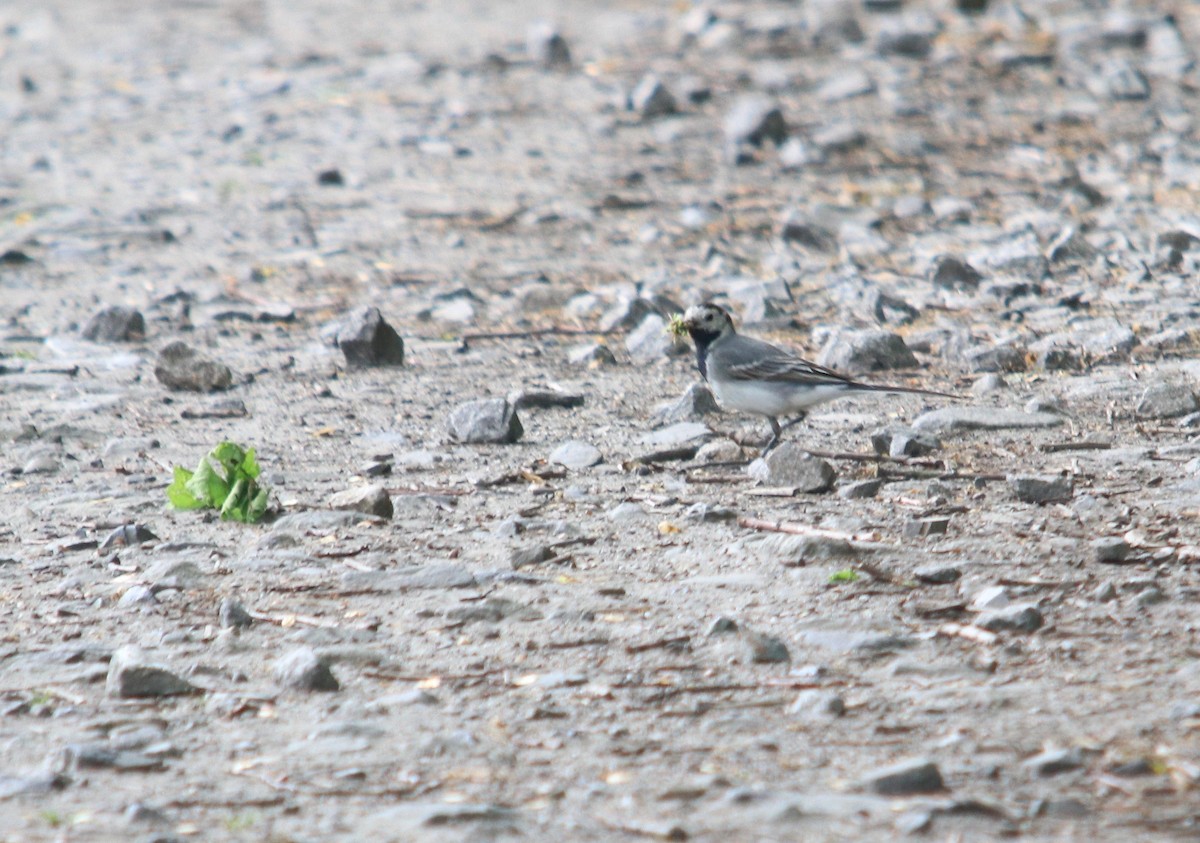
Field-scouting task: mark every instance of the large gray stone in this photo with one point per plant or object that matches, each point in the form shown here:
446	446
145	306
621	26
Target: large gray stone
180	367
131	674
367	340
490	420
302	670
790	465
917	775
955	419
866	351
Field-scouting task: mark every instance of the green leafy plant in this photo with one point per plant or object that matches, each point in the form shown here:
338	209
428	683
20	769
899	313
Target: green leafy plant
226	480
844	575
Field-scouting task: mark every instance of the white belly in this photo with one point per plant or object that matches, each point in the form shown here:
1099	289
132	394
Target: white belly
773	399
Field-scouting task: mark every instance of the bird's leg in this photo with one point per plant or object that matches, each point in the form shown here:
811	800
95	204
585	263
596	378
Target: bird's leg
775	431
795	421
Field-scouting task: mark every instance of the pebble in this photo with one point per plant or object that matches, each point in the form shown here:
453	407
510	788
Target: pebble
1110	550
523	557
991	597
860	489
754	119
1054	761
954	419
430	820
900	441
917	775
790	465
704	513
765	649
431	575
547	47
487	421
680	433
174	573
131	674
576	455
650	341
180	367
115	324
696	402
592	355
722	450
367	340
137	595
954	273
846	84
866	351
651	98
1030	488
373	500
313	520
798	228
1167	401
938	574
817	704
854	640
127	535
233	615
300	669
1105	592
1020	617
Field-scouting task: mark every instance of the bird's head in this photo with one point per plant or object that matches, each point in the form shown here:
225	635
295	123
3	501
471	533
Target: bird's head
706	322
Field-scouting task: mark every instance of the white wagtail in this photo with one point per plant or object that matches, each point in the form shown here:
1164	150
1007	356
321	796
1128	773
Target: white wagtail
752	376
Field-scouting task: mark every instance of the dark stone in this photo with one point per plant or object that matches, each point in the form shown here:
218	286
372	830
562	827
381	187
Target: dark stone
367	340
181	367
115	324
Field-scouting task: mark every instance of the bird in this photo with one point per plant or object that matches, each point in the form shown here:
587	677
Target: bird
752	376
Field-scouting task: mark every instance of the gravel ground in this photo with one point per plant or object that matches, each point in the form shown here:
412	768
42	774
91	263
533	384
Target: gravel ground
612	627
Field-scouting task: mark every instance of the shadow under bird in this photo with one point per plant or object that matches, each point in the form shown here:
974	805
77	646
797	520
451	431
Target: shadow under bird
755	377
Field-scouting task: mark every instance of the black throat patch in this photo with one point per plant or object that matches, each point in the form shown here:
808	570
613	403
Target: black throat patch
702	340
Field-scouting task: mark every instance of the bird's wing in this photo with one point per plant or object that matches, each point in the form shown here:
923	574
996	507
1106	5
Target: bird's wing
756	360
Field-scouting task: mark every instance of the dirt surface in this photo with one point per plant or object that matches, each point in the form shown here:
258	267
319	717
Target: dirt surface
658	646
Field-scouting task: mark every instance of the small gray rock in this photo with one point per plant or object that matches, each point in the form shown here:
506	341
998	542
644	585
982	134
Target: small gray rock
233	615
592	354
174	573
523	557
696	402
115	324
576	455
1054	761
860	489
953	419
180	367
704	513
938	574
755	119
765	649
954	273
428	576
1020	617
816	704
1008	357
798	228
1030	488
1167	401
130	674
918	775
367	340
866	351
547	47
651	98
302	670
373	500
790	465
127	535
900	441
137	595
490	420
1110	550
650	341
